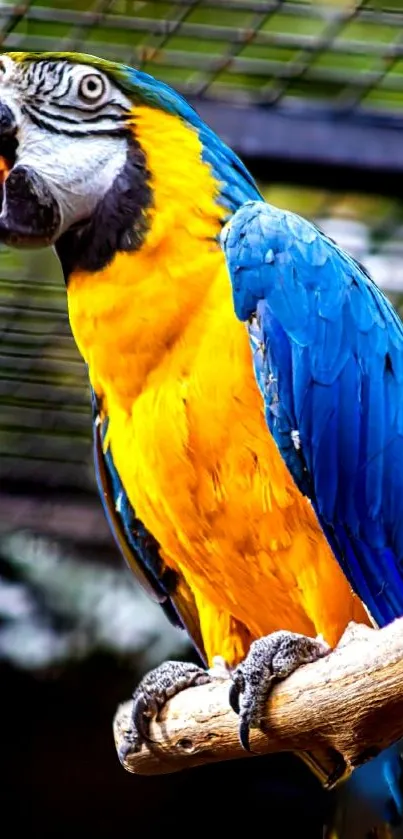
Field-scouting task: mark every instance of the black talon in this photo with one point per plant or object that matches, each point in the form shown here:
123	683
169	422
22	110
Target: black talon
124	750
244	735
234	693
141	716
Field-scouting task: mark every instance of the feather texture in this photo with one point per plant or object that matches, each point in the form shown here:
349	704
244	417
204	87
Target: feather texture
187	442
331	374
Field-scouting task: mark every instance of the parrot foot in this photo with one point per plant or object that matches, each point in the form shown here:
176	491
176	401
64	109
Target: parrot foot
152	693
269	660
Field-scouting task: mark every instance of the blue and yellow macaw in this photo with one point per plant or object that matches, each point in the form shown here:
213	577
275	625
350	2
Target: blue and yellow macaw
208	487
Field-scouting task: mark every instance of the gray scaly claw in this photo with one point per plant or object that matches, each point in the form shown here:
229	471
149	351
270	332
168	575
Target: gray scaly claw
269	660
152	693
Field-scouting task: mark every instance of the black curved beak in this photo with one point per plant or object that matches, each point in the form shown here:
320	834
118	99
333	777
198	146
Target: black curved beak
7	120
30	214
8	131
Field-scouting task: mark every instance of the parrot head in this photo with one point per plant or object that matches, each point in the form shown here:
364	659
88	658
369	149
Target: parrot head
73	171
68	152
64	139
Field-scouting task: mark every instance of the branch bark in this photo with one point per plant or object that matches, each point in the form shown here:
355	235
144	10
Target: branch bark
337	713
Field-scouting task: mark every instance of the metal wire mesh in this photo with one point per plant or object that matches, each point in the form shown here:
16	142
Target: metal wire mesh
341	53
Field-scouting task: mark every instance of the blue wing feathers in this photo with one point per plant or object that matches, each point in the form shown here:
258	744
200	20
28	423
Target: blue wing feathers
324	445
349	440
280	414
334	345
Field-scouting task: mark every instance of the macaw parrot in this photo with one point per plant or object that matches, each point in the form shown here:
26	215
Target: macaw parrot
246	504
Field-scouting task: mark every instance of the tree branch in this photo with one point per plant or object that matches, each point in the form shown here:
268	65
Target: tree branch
338	712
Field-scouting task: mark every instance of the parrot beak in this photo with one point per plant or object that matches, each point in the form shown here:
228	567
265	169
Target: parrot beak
8	141
30	214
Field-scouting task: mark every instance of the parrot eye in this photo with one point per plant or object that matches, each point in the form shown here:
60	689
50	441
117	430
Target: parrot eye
5	67
91	87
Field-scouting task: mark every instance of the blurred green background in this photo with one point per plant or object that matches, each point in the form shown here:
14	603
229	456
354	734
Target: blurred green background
75	630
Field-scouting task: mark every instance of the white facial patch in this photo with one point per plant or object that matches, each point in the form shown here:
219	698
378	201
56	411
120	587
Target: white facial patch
76	144
78	170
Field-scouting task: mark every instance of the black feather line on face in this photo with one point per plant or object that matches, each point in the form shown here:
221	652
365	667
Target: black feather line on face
119	223
46	123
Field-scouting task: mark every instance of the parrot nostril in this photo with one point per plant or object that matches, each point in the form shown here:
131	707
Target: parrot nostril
8	123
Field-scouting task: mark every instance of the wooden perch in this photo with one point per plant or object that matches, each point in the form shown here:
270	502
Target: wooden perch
338	712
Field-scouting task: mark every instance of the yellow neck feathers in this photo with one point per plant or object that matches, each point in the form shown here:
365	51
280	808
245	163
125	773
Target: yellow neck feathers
129	314
185	192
